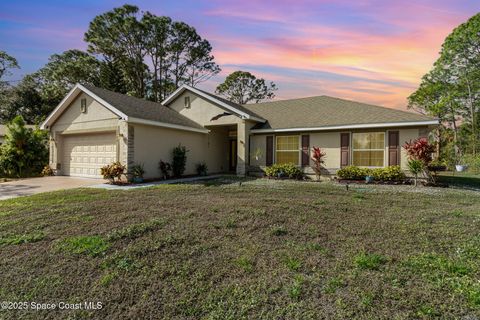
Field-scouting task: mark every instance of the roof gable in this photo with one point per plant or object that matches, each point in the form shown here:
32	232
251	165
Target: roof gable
127	108
237	109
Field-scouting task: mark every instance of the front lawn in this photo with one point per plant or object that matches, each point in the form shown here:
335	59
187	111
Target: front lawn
260	249
460	179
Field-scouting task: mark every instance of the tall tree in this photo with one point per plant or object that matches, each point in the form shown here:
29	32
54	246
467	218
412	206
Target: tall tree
451	90
157	44
38	94
192	62
118	35
111	77
7	62
155	53
243	87
64	70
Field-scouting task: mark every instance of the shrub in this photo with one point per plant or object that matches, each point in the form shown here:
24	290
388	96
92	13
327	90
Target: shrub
419	149
165	168
24	151
112	171
202	169
47	171
284	170
137	171
353	173
179	160
318	157
390	173
415	166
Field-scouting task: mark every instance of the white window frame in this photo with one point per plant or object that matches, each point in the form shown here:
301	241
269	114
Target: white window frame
298	164
353	148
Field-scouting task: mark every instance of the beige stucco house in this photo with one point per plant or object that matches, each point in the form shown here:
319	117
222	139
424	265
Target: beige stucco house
92	127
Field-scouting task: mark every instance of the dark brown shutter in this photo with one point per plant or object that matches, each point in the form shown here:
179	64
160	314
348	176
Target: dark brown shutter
344	149
305	150
269	157
393	148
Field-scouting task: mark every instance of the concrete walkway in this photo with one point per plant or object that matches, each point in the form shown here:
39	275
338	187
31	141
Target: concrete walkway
155	183
27	187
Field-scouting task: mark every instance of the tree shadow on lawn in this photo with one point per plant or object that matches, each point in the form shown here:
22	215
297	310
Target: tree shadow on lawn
462	181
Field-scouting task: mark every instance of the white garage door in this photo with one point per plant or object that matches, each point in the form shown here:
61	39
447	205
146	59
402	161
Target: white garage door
84	155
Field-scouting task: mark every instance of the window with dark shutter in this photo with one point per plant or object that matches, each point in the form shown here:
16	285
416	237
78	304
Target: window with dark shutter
344	149
269	156
393	148
305	150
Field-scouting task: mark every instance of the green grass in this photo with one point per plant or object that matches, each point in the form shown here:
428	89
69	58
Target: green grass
90	245
19	239
460	179
369	261
264	249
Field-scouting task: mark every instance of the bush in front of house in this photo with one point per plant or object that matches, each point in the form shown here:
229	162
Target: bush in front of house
202	169
179	162
47	171
165	169
24	151
353	173
390	173
112	171
137	171
288	170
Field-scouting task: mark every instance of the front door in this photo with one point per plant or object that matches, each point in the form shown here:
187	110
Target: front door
232	159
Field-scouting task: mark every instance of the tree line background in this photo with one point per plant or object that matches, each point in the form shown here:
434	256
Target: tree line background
128	51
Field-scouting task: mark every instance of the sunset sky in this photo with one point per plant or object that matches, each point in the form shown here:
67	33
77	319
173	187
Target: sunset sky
370	51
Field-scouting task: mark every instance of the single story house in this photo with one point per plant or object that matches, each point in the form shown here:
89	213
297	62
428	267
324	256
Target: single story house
92	127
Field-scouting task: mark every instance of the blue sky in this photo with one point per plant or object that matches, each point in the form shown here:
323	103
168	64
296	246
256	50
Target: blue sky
371	51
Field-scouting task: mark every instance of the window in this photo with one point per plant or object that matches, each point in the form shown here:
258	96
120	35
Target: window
368	149
287	150
187	102
83	105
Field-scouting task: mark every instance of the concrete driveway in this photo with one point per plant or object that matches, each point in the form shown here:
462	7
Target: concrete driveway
26	187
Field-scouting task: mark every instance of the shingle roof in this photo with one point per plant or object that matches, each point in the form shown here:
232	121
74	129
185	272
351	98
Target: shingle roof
143	109
232	104
324	111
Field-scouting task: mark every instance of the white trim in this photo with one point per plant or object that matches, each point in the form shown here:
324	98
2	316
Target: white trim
69	98
165	125
184	87
351	126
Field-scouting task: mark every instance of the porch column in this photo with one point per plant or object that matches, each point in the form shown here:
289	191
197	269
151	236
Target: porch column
123	143
54	145
243	136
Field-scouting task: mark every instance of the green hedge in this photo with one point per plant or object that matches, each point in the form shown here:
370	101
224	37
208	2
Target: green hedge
284	170
391	173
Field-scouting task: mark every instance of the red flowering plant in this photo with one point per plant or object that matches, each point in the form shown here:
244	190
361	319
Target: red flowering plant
420	150
318	158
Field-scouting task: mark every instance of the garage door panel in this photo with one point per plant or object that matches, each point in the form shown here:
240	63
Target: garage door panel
84	155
